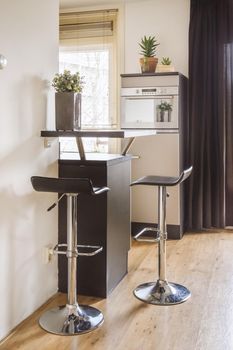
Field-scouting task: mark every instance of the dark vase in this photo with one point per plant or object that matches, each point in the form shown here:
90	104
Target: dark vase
160	116
169	116
68	110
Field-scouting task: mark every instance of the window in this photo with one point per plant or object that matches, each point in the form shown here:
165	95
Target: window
88	45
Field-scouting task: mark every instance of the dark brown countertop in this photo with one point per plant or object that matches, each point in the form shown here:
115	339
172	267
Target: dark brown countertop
119	133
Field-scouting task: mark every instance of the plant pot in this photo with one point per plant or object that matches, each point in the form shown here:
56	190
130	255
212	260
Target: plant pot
164	116
148	64
68	110
160	116
165	68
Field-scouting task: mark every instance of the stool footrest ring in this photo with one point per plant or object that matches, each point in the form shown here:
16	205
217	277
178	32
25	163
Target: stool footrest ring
95	249
57	246
147	239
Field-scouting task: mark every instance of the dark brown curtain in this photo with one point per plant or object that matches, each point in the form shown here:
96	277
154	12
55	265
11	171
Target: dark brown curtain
210	189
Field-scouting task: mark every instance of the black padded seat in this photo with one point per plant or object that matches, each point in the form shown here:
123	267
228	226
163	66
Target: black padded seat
153	180
66	185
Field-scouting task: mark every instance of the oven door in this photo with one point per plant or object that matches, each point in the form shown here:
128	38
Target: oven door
137	112
152	112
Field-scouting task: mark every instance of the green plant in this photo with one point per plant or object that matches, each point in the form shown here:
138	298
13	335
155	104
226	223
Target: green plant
148	46
67	82
165	106
166	61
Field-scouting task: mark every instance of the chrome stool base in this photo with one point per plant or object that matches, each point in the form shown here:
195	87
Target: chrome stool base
162	293
63	320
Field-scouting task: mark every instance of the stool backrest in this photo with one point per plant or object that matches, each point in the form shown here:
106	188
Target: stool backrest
62	185
185	174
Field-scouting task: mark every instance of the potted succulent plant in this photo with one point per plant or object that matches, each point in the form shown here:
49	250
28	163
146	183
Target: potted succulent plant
166	61
68	89
165	65
164	110
148	47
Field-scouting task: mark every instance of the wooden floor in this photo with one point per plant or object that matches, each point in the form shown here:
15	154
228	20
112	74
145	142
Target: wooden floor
202	262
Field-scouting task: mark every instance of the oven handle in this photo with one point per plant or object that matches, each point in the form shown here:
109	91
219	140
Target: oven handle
149	97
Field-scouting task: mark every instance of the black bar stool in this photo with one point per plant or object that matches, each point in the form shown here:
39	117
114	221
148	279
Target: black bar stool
161	292
71	318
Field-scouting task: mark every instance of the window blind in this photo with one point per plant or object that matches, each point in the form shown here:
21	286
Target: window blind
88	43
87	24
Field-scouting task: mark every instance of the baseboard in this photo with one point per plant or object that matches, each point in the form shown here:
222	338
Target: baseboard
173	231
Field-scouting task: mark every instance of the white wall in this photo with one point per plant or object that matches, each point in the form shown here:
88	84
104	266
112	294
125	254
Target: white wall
29	40
165	19
168	21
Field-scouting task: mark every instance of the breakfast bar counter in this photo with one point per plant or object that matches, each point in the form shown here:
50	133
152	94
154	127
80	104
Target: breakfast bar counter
128	134
103	220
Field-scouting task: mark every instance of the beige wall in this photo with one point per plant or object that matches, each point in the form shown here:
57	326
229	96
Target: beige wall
29	40
165	19
168	21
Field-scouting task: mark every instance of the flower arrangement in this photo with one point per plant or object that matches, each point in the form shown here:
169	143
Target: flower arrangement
67	82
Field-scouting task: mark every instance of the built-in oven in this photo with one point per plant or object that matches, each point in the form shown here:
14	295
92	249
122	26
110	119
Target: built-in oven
150	108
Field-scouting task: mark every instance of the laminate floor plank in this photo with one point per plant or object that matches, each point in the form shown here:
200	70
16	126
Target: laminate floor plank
203	262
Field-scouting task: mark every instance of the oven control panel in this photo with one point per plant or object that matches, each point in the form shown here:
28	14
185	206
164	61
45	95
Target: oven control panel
150	91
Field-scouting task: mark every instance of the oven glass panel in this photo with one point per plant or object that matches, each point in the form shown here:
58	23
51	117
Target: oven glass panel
140	111
159	112
164	111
